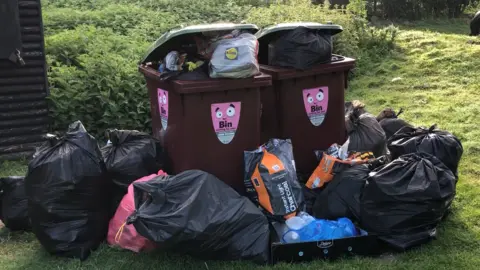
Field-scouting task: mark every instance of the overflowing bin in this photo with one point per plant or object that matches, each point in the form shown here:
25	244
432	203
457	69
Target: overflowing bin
305	105
204	123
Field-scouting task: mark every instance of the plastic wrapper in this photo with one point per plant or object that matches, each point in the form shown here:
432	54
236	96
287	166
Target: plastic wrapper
271	179
235	58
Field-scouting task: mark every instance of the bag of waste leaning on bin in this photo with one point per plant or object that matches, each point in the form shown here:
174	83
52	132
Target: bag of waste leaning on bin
128	156
68	194
301	49
125	236
235	58
341	197
195	213
441	144
365	133
14	203
404	200
271	179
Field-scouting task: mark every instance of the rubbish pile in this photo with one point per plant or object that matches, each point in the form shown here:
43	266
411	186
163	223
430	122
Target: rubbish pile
325	185
399	197
216	54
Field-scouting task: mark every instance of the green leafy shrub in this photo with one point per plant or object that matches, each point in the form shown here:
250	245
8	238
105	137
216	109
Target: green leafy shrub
205	11
96	80
124	19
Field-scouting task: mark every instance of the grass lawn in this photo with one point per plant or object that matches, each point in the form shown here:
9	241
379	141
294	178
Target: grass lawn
439	83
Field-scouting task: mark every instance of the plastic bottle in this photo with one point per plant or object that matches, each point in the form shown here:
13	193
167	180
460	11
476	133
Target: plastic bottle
300	228
348	227
295	223
305	228
291	237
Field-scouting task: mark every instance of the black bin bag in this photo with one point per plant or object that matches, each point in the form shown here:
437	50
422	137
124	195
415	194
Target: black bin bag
365	133
441	144
390	122
393	125
195	213
301	49
68	194
341	197
14	203
403	201
129	156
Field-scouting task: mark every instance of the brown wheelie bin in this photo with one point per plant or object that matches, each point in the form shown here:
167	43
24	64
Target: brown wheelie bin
204	124
306	106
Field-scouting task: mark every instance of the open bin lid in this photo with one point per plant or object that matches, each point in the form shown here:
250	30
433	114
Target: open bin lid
169	40
270	33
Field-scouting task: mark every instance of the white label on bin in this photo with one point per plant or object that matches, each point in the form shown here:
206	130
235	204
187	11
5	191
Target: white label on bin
163	107
316	103
225	118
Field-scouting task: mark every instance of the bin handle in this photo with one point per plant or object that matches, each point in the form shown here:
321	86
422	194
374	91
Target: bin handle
178	26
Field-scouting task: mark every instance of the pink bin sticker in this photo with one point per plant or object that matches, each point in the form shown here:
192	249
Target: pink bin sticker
225	118
163	107
316	103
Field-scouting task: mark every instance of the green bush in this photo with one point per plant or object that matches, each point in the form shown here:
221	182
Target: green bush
93	77
124	19
93	48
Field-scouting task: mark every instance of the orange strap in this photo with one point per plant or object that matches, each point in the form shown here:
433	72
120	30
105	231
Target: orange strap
120	232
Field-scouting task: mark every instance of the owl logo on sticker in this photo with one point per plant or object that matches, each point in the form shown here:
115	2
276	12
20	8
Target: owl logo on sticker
316	103
225	118
231	54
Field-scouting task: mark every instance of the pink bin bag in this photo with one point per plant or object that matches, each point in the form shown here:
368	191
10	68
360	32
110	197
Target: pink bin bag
126	236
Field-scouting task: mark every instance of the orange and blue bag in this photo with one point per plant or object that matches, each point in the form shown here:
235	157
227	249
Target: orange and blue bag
330	165
271	179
